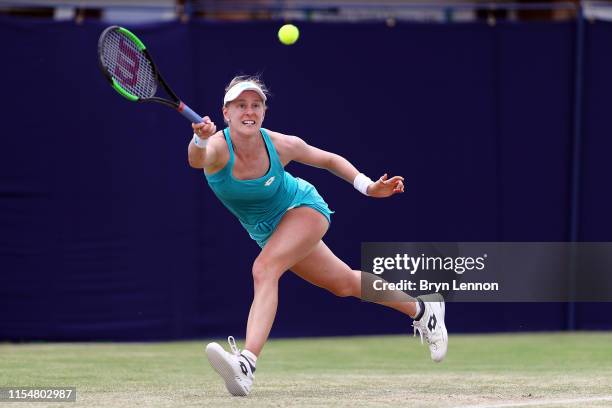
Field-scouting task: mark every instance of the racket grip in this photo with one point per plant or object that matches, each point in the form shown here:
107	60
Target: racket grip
189	114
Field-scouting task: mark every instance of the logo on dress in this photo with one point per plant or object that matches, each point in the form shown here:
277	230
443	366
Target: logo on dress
269	181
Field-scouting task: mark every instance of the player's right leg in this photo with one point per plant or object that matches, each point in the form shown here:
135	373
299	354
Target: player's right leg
294	238
296	235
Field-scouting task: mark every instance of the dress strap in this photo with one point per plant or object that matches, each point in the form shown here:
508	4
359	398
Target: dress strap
228	140
274	158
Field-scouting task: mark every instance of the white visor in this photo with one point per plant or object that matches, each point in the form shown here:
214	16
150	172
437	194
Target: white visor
235	91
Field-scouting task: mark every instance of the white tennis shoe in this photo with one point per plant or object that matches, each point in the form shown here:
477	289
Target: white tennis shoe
235	369
432	327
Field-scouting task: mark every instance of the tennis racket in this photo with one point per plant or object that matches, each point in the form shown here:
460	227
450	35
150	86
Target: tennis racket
128	66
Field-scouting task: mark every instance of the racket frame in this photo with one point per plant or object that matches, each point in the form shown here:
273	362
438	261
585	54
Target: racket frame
175	103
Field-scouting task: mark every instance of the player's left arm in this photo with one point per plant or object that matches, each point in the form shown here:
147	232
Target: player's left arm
300	151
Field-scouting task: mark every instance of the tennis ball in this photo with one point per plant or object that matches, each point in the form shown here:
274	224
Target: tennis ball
288	34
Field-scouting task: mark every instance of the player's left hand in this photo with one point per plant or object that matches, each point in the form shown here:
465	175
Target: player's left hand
386	187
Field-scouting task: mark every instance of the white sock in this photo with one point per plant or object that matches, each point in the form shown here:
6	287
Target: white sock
250	356
418	308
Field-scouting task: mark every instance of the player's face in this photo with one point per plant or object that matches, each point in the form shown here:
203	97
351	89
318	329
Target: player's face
245	113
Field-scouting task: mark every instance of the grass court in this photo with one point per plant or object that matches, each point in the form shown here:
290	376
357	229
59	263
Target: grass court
531	370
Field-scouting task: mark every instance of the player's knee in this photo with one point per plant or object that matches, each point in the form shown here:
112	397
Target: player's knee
343	290
263	272
346	288
351	286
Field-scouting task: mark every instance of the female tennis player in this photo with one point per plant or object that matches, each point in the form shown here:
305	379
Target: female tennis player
286	216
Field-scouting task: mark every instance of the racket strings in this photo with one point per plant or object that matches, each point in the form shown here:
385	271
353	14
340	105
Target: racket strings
128	65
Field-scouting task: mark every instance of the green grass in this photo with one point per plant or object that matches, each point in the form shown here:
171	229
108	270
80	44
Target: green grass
348	371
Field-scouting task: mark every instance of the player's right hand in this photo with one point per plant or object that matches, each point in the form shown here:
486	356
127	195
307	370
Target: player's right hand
204	129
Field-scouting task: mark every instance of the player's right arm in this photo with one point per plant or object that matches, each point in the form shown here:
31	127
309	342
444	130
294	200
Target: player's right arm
198	157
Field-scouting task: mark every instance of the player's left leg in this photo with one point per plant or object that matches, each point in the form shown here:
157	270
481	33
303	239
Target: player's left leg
324	269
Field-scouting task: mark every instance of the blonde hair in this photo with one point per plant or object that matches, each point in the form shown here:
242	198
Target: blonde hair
252	78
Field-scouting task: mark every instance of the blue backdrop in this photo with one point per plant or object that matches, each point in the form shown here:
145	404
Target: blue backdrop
107	233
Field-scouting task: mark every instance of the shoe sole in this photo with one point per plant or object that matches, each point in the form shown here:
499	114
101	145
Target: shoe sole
215	354
440	300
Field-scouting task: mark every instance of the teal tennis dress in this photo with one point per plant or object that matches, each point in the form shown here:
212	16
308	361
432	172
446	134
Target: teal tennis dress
259	204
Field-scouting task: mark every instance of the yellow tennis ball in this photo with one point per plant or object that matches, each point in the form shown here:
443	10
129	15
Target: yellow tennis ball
288	34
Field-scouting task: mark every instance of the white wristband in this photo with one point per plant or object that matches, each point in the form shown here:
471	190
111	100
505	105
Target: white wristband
362	182
199	142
